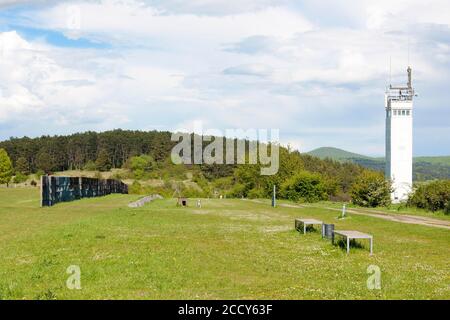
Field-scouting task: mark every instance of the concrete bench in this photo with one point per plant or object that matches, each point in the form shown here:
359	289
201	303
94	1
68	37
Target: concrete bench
306	222
348	234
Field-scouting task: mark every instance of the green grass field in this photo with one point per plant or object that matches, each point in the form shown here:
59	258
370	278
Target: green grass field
228	249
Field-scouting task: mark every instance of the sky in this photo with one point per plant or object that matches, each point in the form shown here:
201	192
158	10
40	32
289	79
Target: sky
315	70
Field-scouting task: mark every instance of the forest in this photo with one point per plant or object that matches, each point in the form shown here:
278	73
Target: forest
142	156
112	149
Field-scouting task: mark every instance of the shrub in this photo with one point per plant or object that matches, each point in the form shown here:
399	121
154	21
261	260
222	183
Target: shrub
33	183
19	178
432	196
256	193
140	165
135	188
237	191
371	189
304	186
38	174
90	166
138	174
143	162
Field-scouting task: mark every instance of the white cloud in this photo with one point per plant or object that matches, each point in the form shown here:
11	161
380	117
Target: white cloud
311	72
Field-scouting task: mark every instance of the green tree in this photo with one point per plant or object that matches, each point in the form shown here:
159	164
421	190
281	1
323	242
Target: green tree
6	168
19	178
44	162
371	189
103	163
140	165
432	196
304	186
90	166
22	166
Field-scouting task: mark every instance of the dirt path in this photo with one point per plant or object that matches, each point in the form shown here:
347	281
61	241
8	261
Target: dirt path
403	218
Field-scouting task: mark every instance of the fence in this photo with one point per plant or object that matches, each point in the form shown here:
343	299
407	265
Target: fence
63	189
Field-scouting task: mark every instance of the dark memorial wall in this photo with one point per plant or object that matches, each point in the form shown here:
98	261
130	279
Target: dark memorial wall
63	189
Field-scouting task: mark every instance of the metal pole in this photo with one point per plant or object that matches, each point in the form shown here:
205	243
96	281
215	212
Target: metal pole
348	244
274	196
42	197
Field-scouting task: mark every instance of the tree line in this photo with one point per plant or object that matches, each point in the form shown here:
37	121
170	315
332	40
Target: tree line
145	155
109	149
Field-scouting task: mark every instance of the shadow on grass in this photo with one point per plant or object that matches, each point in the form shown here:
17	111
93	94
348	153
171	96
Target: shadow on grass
341	243
309	229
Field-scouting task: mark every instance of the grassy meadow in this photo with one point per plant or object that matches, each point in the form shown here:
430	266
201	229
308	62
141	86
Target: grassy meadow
228	249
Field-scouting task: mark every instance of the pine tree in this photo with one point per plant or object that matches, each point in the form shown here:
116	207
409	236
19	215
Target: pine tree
44	162
6	168
22	166
103	162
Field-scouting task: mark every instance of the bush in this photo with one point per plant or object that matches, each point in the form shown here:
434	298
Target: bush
135	188
238	191
90	166
371	189
304	186
33	183
140	166
19	178
432	196
39	173
256	193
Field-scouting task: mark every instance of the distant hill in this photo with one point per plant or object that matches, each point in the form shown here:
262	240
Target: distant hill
424	168
445	160
336	154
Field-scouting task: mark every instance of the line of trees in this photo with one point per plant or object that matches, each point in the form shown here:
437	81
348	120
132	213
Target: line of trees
145	155
105	150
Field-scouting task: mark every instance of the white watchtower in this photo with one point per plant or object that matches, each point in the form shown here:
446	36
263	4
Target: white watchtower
399	124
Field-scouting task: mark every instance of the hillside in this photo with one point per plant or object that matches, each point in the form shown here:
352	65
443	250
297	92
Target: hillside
336	154
424	168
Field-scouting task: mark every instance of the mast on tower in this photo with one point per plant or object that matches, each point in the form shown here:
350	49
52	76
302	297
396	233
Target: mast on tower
409	77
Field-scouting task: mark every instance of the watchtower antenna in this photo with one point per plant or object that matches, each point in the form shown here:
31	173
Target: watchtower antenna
390	71
408	52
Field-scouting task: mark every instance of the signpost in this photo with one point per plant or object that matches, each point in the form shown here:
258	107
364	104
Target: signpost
274	196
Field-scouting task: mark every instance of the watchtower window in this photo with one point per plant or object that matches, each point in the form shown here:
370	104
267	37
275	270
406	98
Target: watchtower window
403	112
395	112
407	112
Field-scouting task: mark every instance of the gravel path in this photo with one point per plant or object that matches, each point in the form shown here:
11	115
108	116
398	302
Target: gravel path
403	218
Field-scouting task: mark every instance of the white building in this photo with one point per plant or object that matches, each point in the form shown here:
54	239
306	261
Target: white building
399	124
